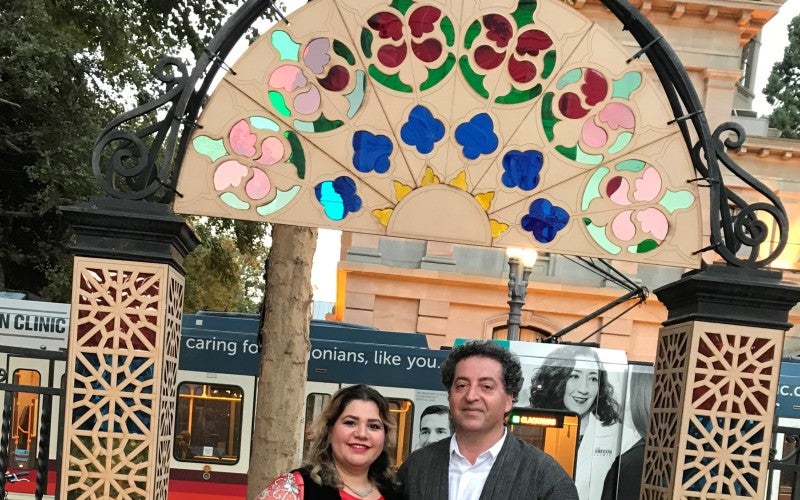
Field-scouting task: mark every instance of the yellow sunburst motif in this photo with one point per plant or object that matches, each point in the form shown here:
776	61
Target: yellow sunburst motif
401	190
485	199
460	181
498	228
430	178
383	215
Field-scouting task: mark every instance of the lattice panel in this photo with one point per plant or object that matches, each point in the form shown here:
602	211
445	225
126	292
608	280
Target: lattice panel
115	367
662	441
172	339
710	426
732	386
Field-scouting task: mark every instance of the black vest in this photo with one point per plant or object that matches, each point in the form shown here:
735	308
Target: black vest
314	491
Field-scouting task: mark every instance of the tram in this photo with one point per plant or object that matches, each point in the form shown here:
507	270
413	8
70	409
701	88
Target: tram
216	395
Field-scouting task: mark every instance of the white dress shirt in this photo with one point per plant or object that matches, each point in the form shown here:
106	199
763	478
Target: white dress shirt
466	479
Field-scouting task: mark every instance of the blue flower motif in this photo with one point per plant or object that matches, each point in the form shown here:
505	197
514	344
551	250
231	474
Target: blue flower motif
544	220
371	152
338	197
422	130
522	169
477	136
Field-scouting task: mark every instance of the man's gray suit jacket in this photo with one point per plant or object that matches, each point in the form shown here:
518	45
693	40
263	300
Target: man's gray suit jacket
520	471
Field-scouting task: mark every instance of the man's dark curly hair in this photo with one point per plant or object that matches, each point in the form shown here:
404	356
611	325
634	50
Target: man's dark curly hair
512	371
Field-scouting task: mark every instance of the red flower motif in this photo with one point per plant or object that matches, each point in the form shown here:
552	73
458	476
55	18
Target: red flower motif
528	44
421	23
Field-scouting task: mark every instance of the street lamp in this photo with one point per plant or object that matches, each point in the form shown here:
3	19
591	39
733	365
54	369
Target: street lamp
518	285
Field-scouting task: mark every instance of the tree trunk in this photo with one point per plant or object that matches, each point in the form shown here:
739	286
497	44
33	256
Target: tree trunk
284	356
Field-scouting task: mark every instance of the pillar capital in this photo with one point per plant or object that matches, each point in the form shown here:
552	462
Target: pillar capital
132	230
731	295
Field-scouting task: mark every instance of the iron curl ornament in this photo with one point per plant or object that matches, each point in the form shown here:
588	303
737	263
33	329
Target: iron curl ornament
739	232
145	164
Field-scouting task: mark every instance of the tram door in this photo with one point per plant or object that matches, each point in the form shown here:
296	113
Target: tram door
553	431
25	408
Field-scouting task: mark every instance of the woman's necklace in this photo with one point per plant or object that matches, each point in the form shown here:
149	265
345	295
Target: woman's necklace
360	493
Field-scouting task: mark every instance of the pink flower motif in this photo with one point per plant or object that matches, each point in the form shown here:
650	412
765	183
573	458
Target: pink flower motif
301	84
625	225
234	173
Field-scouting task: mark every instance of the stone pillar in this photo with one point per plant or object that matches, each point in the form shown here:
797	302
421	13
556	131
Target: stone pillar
125	326
716	375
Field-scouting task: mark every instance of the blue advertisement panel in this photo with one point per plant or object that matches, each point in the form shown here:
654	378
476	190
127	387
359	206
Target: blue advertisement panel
361	356
375	364
788	400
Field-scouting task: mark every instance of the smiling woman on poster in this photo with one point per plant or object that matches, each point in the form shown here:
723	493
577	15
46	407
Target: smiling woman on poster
573	378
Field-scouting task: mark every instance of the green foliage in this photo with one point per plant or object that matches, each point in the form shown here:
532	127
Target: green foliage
783	87
225	272
65	67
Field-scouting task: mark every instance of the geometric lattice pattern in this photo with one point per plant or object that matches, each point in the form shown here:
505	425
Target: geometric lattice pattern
714	445
663	438
123	338
518	123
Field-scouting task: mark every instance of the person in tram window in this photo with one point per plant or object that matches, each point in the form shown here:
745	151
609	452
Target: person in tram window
482	459
573	378
626	471
434	424
348	459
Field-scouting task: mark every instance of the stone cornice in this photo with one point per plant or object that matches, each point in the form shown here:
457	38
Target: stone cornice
749	16
768	147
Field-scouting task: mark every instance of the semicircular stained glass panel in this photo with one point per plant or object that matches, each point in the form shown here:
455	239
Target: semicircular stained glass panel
501	124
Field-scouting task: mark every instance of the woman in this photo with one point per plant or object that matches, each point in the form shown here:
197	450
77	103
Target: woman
573	378
348	459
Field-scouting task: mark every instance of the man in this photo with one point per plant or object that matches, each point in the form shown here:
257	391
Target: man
434	424
482	460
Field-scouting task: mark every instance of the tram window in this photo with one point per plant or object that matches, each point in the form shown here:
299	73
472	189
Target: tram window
315	404
399	438
208	423
24	421
553	431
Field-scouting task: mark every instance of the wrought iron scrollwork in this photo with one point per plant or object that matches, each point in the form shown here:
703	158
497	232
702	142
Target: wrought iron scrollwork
134	169
741	237
143	164
740	232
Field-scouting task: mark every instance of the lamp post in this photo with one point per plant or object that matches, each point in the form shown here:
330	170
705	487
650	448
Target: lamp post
518	286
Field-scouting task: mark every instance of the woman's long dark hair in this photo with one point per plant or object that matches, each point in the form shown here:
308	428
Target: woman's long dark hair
321	465
549	383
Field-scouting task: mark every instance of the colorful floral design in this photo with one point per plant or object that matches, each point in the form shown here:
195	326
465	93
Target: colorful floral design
635	191
527	54
477	136
404	33
422	130
371	152
338	197
296	87
544	220
241	177
603	108
521	169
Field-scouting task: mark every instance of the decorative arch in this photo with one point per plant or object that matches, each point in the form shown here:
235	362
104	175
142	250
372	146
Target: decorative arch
494	124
